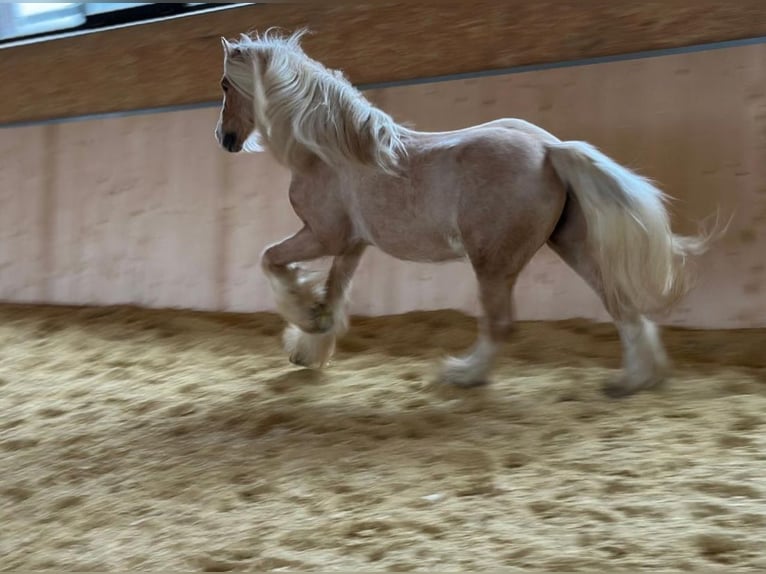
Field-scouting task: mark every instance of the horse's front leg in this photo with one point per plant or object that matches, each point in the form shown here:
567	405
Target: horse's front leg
338	283
298	293
315	349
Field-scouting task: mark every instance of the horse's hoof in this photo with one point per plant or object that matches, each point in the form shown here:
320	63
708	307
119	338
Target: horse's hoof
465	384
459	373
308	350
618	389
621	388
299	360
462	377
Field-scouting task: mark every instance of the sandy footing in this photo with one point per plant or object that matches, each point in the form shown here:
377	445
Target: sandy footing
159	440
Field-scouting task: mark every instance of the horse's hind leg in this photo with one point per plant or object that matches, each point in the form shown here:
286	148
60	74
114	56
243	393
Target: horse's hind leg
495	325
309	349
499	238
645	363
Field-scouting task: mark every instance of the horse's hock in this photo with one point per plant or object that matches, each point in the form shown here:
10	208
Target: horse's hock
134	436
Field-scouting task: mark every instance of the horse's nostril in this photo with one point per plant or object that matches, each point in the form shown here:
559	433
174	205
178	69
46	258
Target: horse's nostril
229	141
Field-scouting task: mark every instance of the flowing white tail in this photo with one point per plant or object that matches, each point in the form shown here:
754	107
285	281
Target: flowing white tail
643	264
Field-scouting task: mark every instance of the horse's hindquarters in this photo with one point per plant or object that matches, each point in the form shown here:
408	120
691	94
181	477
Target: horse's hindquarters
510	200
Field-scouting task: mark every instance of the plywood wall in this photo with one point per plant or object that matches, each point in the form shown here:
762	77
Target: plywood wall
147	210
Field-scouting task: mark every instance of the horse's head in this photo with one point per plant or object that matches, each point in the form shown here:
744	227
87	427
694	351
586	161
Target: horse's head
235	122
276	97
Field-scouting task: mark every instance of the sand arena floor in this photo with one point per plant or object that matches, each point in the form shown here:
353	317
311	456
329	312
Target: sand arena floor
156	441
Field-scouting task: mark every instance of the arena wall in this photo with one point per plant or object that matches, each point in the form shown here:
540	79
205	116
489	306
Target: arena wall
177	61
145	209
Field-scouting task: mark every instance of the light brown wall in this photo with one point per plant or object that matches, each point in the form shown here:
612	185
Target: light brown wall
147	210
179	61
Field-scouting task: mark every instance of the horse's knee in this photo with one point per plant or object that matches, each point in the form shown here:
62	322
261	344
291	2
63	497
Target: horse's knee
276	268
268	263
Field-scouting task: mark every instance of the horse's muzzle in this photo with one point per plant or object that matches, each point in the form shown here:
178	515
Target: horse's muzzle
229	141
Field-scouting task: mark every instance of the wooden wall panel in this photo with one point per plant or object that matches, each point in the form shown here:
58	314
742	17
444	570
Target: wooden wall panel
24	185
257	214
148	210
179	61
136	207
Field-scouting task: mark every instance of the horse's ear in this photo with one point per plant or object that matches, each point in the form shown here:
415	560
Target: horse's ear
230	51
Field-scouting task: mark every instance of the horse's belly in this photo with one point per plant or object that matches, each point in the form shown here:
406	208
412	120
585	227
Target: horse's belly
419	255
418	245
408	224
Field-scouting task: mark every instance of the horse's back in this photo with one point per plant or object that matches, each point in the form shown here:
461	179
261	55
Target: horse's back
507	154
512	125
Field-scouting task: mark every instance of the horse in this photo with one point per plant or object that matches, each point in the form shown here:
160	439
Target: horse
491	194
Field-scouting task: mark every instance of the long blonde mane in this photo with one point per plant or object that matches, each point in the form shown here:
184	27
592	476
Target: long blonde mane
301	107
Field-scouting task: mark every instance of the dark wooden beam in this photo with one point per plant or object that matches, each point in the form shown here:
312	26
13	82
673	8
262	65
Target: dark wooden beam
178	62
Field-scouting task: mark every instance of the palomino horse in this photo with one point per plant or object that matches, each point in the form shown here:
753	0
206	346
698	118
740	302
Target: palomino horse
493	194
